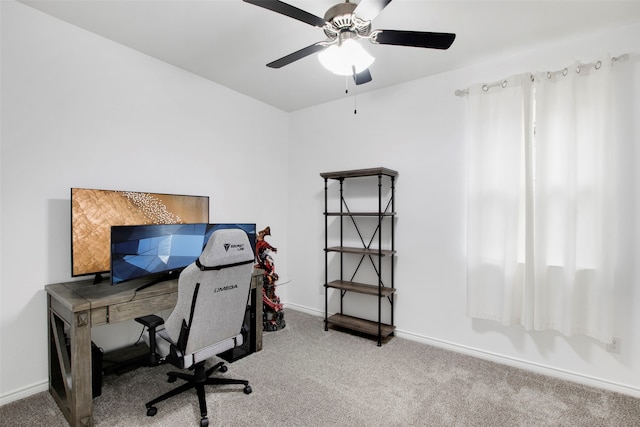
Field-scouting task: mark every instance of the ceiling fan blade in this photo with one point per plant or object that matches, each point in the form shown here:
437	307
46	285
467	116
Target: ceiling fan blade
369	9
362	77
290	11
286	60
414	38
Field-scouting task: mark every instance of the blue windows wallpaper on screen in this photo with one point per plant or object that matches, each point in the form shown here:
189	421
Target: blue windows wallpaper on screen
139	251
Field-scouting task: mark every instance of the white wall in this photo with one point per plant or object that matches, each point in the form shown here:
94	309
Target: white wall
81	111
418	129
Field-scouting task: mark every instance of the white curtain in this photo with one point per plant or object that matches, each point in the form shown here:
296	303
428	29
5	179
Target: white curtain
499	133
543	200
574	197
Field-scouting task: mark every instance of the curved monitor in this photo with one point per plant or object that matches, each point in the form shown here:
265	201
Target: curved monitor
139	251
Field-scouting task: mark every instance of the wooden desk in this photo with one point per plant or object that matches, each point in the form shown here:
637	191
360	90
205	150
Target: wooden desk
74	307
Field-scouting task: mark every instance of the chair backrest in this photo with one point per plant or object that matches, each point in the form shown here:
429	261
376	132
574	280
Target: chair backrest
223	272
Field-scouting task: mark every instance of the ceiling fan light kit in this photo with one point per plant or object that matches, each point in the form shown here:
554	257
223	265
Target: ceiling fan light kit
345	24
345	57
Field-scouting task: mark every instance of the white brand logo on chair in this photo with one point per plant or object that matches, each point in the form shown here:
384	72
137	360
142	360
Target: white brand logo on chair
239	247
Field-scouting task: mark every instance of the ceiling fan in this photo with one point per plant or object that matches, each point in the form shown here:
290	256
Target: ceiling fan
344	24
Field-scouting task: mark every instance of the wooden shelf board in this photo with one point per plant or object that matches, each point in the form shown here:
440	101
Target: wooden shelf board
358	173
361	288
360	325
359	214
359	251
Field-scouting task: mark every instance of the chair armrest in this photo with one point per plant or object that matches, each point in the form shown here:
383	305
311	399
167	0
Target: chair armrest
151	322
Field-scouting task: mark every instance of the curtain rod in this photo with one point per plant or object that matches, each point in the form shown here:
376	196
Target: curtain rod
597	64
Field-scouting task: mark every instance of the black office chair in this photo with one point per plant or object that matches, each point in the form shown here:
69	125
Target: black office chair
208	317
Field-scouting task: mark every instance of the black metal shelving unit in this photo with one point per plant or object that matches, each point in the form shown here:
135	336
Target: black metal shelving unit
380	257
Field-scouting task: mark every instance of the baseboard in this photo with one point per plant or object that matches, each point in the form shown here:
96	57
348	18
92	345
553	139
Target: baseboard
504	360
24	392
303	309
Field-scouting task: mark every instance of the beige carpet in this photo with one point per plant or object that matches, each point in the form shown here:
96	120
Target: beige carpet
308	377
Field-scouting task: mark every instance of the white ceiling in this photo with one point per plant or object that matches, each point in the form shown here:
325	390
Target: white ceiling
230	41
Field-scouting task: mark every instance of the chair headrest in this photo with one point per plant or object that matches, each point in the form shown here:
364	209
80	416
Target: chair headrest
226	248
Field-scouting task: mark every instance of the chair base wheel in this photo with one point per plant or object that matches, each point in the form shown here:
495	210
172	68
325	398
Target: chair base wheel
247	389
151	411
204	422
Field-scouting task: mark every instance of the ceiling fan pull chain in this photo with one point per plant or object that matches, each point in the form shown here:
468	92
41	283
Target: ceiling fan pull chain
355	91
355	103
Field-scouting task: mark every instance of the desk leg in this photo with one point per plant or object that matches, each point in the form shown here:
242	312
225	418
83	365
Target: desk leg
256	316
70	380
81	369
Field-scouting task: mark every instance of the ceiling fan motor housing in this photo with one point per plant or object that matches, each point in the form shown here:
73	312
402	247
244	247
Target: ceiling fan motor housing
340	18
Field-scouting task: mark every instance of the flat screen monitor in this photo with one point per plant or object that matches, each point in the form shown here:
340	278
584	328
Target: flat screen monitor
161	251
93	212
